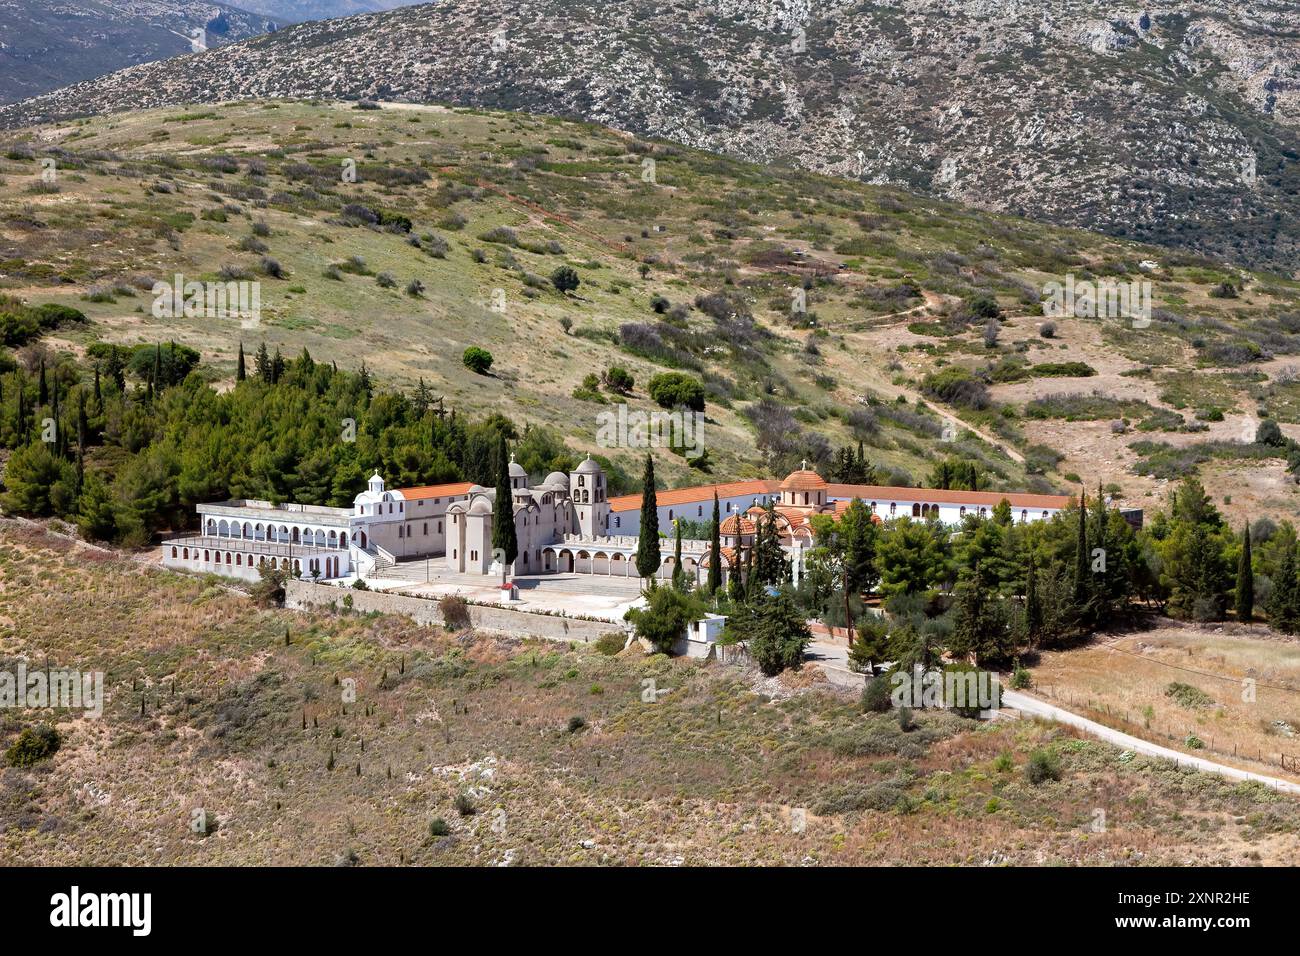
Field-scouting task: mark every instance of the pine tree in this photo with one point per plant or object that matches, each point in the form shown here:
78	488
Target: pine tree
647	550
262	363
241	371
715	549
505	540
1245	595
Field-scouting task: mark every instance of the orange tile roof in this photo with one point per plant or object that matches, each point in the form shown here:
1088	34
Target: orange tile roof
697	493
869	493
729	524
436	491
803	480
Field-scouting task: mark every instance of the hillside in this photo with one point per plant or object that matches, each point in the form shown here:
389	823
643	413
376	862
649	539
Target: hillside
465	749
45	45
1176	123
697	272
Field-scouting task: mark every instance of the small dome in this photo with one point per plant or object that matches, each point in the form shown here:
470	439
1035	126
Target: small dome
476	489
482	506
736	524
516	470
556	479
588	467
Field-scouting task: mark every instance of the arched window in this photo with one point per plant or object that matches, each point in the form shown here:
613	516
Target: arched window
916	511
173	551
1024	515
962	511
893	508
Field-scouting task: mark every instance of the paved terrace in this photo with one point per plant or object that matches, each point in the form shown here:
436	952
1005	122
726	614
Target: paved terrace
606	598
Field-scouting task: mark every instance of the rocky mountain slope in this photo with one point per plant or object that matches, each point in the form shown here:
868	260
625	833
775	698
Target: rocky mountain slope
1176	122
46	44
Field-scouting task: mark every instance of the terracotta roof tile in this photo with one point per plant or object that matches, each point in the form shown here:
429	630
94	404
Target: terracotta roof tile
869	493
696	494
436	491
803	480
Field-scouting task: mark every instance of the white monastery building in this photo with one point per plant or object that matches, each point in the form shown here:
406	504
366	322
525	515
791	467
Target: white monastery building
568	523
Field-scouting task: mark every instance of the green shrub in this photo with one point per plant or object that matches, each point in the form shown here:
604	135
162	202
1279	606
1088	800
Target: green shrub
1185	695
1043	765
439	828
877	695
477	360
33	745
610	643
674	389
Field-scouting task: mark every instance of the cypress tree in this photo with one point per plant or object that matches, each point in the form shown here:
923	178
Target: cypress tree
1282	603
1081	559
647	550
1033	604
241	372
1245	580
42	389
504	539
736	587
157	368
99	394
58	425
715	553
679	575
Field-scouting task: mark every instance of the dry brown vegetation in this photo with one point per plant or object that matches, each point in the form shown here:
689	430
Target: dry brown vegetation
717	772
1131	682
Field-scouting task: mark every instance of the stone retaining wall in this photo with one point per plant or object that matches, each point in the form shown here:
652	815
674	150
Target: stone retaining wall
302	595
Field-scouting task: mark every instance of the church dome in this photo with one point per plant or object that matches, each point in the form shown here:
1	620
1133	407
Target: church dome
482	506
736	524
556	479
588	467
805	479
517	470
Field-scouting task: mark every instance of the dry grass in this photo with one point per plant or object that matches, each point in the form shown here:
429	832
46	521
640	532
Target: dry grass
1125	682
717	772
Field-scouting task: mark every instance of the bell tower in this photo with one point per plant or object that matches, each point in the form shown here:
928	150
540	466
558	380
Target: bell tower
587	491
